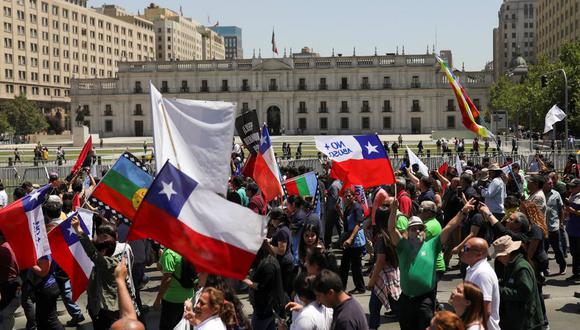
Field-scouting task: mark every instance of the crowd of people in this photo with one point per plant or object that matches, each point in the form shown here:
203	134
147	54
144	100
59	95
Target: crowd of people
408	232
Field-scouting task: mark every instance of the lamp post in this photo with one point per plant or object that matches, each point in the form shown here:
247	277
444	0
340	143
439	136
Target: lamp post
544	81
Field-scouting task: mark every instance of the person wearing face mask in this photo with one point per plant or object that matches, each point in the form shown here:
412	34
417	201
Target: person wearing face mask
467	300
417	265
102	301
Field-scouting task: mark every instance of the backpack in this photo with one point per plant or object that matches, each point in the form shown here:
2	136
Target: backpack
188	274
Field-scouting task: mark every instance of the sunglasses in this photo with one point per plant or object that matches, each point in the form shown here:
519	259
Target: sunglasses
468	248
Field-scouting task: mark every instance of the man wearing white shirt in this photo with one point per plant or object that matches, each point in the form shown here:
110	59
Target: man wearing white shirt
495	193
482	274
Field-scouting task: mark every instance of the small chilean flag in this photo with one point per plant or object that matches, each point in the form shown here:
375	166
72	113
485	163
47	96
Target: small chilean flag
198	224
22	224
357	160
68	252
266	171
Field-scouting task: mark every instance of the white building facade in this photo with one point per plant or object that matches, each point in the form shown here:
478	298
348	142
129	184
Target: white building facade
388	94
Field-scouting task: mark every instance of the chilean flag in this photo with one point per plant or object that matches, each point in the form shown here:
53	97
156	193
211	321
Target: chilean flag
357	160
198	224
266	171
68	252
22	224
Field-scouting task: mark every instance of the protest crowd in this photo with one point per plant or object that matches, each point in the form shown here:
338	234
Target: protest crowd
288	237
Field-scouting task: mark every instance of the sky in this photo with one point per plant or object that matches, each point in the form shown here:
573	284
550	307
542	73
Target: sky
463	26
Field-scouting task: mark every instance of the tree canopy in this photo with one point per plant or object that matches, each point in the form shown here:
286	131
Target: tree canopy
22	117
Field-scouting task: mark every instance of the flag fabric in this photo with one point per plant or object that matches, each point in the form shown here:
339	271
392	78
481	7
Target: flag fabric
197	135
458	166
357	160
215	235
361	198
22	224
304	185
443	168
83	155
274	48
552	117
266	171
413	159
248	169
469	112
68	252
121	190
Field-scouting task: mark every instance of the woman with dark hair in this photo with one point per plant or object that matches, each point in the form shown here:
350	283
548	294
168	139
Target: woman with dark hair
310	314
319	260
266	291
467	299
384	281
353	242
309	240
280	244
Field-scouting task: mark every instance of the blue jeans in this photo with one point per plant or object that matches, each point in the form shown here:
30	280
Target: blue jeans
294	246
66	294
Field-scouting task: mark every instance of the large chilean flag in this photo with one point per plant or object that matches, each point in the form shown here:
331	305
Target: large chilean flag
266	172
357	160
217	236
22	224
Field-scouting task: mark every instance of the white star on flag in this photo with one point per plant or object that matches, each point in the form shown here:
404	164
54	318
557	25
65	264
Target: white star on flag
167	190
34	195
71	231
371	148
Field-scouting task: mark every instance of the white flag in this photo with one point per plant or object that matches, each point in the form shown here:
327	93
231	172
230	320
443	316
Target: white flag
195	136
458	166
413	159
553	116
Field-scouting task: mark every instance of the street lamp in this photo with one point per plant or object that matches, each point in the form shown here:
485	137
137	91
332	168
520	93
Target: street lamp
544	82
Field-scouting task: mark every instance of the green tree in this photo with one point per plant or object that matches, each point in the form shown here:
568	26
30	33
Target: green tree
24	116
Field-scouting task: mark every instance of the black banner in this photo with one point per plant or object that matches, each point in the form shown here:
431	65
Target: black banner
248	129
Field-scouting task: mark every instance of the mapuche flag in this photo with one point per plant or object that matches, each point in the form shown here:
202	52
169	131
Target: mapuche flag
357	160
121	190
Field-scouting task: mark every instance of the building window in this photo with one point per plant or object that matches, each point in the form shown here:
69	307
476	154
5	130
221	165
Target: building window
343	123
323	108
344	106
273	85
245	107
138	110
365	123
343	83
323	85
245	85
108	125
225	87
415	82
302	107
302	124
416	106
387	106
450	121
108	110
386	122
204	87
302	84
184	87
164	87
138	89
365	107
387	83
323	123
365	83
450	105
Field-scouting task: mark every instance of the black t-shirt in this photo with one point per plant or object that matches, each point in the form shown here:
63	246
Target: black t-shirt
349	315
451	205
536	233
476	219
428	195
282	234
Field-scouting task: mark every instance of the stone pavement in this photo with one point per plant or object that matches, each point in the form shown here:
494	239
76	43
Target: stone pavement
563	308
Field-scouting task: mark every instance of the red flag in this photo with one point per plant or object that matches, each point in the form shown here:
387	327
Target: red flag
443	168
248	169
83	155
274	48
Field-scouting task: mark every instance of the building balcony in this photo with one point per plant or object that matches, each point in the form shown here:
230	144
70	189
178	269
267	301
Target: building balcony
322	87
387	109
416	108
387	86
245	88
108	113
184	89
365	86
225	89
138	90
343	86
449	108
164	89
138	112
415	85
204	89
302	87
273	87
344	110
302	110
365	109
323	110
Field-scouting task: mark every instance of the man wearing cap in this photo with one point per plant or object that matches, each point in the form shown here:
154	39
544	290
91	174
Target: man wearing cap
520	302
417	264
573	228
495	193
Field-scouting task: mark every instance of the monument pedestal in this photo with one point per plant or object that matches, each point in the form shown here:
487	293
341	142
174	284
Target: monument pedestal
80	135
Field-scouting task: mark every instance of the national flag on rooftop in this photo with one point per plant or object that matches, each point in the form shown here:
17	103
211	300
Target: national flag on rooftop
266	171
121	190
68	252
357	160
469	112
22	224
274	48
217	236
83	155
197	135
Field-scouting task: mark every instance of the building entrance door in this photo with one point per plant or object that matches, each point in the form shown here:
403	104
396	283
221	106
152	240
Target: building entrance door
138	128
273	120
415	125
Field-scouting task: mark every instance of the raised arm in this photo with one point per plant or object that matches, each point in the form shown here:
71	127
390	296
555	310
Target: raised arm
414	180
393	232
446	232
